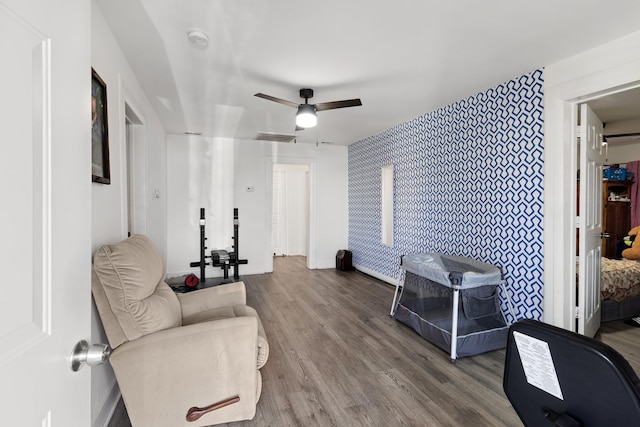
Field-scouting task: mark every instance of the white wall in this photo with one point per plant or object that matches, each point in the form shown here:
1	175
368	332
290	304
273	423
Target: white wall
108	210
215	173
200	175
328	215
623	154
332	204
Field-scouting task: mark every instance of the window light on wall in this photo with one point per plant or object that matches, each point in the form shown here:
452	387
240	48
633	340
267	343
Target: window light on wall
387	205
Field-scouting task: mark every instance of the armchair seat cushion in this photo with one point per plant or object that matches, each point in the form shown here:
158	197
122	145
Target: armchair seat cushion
229	312
163	374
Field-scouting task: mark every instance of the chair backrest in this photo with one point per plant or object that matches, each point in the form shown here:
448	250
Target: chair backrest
129	291
553	376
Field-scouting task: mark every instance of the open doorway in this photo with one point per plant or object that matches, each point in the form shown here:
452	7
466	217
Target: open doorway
134	190
602	218
620	114
290	210
584	78
618	279
618	120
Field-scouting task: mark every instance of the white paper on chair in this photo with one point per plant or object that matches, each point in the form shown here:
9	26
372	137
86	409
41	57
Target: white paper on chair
538	364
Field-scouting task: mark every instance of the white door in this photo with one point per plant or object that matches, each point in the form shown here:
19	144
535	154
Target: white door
592	158
45	221
296	210
279	213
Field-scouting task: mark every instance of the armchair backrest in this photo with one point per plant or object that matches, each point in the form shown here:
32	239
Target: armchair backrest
129	291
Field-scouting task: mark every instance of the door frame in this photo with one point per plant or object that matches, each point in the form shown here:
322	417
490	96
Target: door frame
610	68
312	262
287	169
133	157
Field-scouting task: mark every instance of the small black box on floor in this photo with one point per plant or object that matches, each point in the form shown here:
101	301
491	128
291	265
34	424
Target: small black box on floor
344	260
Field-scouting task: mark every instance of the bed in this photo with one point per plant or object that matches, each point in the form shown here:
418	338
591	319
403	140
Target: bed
620	289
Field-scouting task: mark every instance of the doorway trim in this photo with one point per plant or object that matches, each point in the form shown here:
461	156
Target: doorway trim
312	262
604	70
133	166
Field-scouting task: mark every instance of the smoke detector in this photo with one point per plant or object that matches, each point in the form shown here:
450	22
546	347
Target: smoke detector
198	38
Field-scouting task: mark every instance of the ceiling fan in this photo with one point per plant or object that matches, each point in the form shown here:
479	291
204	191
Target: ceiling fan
306	115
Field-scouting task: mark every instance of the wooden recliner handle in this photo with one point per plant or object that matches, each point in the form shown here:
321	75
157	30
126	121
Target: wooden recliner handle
194	413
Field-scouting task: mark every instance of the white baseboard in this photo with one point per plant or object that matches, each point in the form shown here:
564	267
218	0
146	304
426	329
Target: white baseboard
326	263
373	273
103	418
248	269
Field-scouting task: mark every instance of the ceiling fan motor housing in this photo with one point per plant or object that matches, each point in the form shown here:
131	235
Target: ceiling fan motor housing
306	93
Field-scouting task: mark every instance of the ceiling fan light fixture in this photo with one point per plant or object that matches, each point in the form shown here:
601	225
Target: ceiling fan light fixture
306	116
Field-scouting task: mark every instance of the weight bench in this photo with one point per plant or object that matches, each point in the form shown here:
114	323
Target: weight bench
219	257
224	259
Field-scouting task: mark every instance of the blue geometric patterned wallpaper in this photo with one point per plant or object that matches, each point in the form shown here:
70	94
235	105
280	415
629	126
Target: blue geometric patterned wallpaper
468	180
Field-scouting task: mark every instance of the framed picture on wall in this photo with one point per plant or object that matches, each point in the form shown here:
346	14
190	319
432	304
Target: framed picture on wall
99	131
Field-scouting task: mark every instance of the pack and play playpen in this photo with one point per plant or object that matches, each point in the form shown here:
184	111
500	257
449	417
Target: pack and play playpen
453	302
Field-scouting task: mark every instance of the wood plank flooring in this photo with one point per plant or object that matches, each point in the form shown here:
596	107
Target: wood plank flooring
338	359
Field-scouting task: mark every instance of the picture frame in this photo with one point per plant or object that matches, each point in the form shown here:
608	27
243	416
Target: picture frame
100	170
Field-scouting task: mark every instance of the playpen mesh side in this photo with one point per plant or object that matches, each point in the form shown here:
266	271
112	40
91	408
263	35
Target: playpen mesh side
426	307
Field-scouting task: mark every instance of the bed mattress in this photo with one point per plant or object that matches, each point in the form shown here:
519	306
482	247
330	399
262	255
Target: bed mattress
620	279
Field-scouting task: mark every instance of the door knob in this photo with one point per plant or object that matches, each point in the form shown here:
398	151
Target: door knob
83	353
605	235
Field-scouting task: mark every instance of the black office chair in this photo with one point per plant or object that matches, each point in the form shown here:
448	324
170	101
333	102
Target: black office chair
556	377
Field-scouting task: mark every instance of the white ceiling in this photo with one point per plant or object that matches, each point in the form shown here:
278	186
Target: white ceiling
402	58
620	114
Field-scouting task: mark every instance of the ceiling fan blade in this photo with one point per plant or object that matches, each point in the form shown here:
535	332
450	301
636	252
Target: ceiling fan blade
338	104
623	135
299	128
278	100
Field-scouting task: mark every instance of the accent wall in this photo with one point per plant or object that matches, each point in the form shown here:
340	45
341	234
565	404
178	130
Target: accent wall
468	180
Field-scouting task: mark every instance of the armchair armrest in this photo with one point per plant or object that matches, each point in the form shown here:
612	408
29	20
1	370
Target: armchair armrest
163	374
215	297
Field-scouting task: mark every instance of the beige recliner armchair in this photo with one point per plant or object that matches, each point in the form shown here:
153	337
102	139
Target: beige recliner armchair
188	359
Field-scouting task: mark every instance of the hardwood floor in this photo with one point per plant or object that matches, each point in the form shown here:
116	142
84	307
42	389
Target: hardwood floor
338	359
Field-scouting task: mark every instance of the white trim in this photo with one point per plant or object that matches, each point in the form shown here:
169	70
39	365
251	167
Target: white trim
137	161
46	193
108	409
122	139
379	276
604	70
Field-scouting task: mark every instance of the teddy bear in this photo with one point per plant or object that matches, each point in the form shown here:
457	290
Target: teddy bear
633	252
